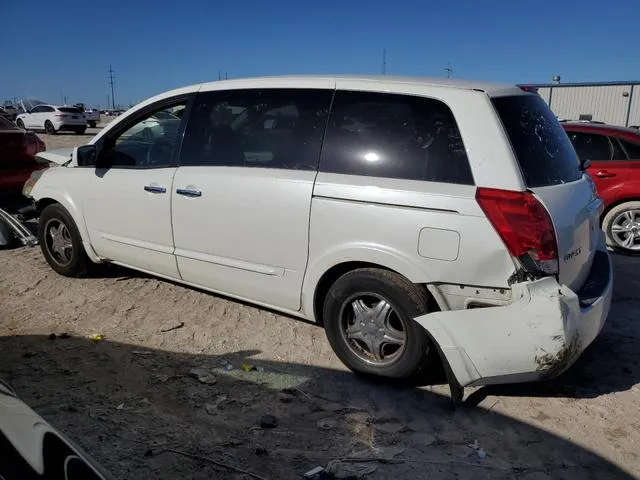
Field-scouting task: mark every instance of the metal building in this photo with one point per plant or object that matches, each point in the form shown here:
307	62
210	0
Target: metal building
615	103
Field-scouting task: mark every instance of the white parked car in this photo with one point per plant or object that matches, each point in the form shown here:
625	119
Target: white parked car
92	116
52	119
416	220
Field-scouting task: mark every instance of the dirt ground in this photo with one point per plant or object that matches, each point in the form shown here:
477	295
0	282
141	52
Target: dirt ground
133	398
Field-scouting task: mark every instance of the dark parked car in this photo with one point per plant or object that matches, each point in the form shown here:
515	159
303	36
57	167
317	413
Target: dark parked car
30	448
17	151
614	154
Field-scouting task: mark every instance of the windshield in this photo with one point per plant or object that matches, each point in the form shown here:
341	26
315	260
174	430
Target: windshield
539	142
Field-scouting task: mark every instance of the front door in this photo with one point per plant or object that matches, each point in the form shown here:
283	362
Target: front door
609	165
242	193
127	201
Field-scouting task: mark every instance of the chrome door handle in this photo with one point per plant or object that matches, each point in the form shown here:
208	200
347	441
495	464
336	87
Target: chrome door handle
604	174
155	189
188	192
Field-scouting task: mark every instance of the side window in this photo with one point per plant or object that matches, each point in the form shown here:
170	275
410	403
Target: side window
148	142
278	128
394	136
48	109
591	147
618	153
37	109
632	149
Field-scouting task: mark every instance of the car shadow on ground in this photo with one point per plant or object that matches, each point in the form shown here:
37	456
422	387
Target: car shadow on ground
611	363
126	405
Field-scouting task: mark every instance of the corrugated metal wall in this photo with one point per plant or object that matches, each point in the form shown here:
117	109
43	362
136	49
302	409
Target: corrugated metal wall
544	93
634	117
604	103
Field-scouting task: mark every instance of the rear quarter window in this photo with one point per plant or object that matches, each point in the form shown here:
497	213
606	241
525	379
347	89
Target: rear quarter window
394	136
541	146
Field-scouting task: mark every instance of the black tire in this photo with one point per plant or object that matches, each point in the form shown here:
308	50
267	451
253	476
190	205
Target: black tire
77	263
407	301
49	128
20	124
80	131
92	124
616	240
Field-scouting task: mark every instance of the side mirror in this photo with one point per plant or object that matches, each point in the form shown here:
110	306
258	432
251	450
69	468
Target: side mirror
87	156
584	164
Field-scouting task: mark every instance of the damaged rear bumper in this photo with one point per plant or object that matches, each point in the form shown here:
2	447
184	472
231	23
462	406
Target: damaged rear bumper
539	335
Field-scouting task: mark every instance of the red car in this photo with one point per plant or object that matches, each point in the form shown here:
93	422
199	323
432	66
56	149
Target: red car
614	153
17	150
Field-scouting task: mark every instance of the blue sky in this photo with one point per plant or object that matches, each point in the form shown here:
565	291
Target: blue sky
49	49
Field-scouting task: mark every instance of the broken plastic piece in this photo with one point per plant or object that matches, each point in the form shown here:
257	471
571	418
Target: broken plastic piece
314	472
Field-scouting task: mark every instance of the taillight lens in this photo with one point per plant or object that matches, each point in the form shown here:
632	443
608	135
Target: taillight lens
524	225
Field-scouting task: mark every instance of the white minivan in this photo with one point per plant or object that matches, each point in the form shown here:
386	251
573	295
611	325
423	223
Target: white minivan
417	220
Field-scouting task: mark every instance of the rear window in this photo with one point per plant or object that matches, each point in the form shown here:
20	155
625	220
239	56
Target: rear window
540	144
69	110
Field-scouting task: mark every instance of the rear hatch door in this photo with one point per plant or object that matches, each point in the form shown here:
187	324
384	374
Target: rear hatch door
551	170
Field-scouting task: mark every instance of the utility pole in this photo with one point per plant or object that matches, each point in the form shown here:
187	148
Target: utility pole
449	70
112	82
218	74
384	61
226	77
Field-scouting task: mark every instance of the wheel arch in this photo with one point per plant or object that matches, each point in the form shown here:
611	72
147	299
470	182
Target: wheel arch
47	198
615	204
319	279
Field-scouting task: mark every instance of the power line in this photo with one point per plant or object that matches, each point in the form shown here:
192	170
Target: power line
112	83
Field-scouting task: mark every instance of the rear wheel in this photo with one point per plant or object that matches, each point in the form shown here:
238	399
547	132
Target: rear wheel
61	242
622	227
92	124
81	130
20	124
49	128
368	318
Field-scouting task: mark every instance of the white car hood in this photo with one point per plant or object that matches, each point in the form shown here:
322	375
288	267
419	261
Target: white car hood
59	156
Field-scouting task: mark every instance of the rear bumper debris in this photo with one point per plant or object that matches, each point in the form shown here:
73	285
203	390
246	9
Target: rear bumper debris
539	335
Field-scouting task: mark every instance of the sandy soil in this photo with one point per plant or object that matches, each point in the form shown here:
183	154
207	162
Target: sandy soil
131	396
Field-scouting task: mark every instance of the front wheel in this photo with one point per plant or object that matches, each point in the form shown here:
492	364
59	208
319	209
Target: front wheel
92	124
61	242
20	124
368	318
80	131
622	227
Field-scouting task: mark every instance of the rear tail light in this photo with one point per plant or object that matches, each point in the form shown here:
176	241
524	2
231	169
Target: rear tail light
525	227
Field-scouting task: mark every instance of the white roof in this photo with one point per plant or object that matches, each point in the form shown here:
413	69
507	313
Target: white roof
303	80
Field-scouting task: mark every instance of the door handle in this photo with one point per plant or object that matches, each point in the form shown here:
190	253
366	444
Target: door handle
155	189
604	174
188	192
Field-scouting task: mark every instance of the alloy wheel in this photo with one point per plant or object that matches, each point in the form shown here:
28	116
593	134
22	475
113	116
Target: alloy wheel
625	230
372	329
